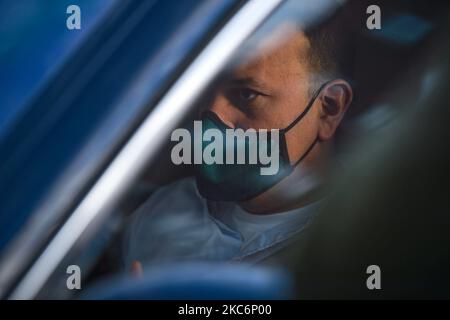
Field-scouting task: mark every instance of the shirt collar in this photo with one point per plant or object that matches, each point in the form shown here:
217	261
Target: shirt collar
280	227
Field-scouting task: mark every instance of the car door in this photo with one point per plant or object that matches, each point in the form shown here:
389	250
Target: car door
69	158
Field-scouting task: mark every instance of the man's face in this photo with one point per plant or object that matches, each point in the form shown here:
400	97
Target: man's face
270	90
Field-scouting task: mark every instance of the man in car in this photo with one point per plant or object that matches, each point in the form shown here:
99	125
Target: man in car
297	81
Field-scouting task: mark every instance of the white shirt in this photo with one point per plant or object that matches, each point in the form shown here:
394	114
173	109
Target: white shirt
176	224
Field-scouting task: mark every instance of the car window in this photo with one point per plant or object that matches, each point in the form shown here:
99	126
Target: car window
86	112
32	50
245	165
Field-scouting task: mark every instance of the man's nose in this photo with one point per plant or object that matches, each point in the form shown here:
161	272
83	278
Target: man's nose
224	111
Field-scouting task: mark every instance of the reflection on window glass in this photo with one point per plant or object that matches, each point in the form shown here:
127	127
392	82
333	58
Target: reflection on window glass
261	147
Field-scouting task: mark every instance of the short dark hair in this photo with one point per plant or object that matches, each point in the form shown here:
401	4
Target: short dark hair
332	50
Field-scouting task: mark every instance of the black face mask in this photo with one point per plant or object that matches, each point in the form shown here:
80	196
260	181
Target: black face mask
240	182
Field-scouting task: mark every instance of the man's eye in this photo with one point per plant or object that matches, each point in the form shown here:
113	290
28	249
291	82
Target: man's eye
246	94
242	97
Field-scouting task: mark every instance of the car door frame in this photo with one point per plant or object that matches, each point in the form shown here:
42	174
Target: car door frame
142	147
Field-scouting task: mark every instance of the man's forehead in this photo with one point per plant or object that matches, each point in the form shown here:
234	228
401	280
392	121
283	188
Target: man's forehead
279	55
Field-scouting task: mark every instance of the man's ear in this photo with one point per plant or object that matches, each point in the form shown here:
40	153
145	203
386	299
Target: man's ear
334	99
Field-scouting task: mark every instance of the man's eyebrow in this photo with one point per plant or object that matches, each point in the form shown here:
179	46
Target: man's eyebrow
246	81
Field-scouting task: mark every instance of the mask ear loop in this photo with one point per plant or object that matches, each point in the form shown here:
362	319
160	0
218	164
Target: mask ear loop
306	152
308	107
297	120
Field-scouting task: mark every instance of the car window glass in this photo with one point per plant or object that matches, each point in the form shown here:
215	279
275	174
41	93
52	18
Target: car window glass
310	84
31	50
